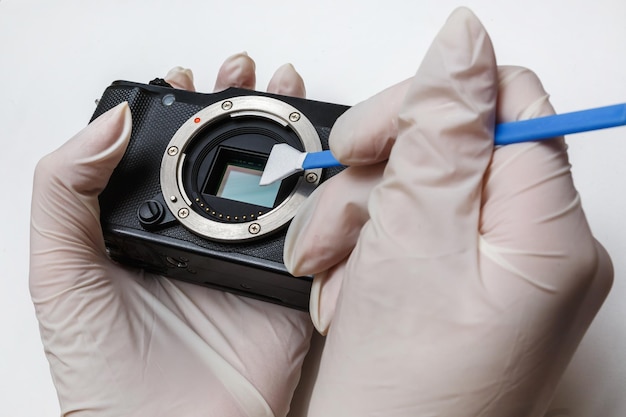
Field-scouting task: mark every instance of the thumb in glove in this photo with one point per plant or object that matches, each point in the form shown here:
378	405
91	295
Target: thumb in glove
65	211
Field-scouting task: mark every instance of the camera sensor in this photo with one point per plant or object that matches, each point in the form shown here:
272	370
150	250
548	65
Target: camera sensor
235	176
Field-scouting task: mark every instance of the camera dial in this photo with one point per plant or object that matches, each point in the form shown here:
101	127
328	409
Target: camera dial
211	168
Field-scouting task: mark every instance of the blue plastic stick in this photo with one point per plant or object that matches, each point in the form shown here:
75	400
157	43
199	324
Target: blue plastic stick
323	159
560	124
524	131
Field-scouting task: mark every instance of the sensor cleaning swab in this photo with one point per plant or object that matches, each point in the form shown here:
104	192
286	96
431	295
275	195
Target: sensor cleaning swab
285	160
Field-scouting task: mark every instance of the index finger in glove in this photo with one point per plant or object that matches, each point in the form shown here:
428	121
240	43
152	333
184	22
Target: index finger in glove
430	194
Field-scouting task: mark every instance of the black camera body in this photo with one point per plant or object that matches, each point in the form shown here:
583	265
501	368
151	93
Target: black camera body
184	202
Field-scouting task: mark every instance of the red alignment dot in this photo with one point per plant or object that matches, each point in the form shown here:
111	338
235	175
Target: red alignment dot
196	120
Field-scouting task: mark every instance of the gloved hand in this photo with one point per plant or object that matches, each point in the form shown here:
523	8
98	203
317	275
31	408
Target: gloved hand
461	284
121	342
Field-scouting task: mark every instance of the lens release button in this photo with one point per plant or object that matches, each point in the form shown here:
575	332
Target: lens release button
150	213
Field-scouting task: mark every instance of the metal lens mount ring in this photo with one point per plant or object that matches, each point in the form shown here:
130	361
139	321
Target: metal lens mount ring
245	106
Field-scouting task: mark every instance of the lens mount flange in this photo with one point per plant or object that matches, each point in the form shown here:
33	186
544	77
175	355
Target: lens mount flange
171	173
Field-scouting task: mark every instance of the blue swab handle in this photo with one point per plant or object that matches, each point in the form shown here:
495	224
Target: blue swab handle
524	131
323	159
560	124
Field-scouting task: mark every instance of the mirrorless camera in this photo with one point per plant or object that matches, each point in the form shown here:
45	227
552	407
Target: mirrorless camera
185	200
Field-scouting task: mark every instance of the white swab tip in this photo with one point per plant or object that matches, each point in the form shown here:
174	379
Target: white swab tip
283	161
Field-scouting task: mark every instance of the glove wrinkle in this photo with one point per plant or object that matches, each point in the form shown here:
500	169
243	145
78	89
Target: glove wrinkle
570	209
175	321
496	255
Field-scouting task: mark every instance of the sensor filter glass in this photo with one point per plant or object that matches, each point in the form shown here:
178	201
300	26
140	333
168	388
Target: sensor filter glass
242	184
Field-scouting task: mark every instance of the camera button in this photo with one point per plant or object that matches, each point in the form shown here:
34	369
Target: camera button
150	212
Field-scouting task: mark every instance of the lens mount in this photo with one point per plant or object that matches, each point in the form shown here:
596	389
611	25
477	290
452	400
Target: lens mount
188	203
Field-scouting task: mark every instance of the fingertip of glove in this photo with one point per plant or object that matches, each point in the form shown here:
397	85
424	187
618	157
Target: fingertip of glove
463	31
461	14
297	243
289	249
341	137
293	258
463	19
237	71
315	305
287	81
458	69
366	132
181	78
109	135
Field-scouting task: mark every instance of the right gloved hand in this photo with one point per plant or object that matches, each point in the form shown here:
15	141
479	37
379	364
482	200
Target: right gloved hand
122	342
459	282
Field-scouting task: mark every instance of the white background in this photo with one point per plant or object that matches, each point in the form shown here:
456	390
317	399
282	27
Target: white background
56	58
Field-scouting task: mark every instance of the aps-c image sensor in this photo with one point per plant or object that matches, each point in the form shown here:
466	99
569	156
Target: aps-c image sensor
235	175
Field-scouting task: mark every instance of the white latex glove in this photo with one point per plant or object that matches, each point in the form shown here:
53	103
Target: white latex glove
465	279
122	342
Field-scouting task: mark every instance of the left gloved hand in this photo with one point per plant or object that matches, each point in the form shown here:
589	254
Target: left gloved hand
122	342
461	282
